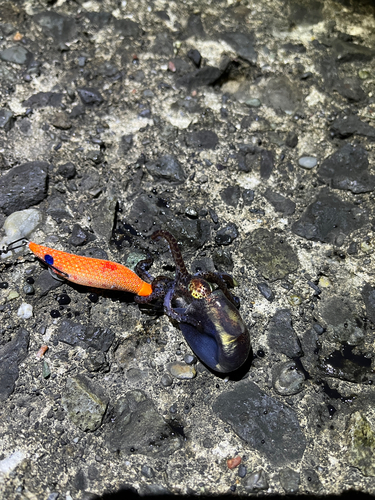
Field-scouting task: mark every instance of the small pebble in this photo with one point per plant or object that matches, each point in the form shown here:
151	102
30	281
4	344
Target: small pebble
25	311
253	102
242	470
318	328
13	295
181	370
266	291
46	372
166	380
307	162
294	300
42	351
190	359
191	212
232	463
147	471
28	289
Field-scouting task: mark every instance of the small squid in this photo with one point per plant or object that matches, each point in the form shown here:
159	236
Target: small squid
207	315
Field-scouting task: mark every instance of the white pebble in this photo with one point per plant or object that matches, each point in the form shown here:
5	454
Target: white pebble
20	225
25	311
9	463
307	162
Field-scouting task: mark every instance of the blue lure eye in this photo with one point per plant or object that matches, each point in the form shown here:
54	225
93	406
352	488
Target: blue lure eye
48	259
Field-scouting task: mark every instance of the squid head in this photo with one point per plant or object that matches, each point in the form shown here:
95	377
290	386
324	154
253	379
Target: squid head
214	329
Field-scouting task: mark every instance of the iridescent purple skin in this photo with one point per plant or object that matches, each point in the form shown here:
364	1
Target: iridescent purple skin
208	316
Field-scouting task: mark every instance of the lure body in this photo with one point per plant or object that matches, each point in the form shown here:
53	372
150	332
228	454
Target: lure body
87	271
208	317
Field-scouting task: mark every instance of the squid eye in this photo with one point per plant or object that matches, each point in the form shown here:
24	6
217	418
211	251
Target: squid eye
48	259
199	288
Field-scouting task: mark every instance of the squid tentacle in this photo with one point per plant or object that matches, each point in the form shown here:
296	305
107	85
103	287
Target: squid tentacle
181	270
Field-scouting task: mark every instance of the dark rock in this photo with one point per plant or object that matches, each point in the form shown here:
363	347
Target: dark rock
270	254
153	490
347	169
138	428
231	195
61	121
280	94
194	27
147	471
289	480
96	361
99	19
281	335
79	236
103	216
163	45
11	355
249	161
45	283
193	233
328	70
67	170
328	218
297	48
6	119
287	379
266	291
351	89
205	139
242	470
243	44
195	56
57	208
279	202
127	28
222	259
208	75
351	125
340	315
86	336
166	380
226	235
43	99
368	295
312	480
23	186
256	481
17	55
145	212
77	111
345	365
84	403
248	197
266	164
90	96
61	28
305	13
162	14
291	139
310	347
166	168
125	144
346	51
79	481
263	422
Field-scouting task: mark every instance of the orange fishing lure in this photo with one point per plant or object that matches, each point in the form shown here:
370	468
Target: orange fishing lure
88	271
